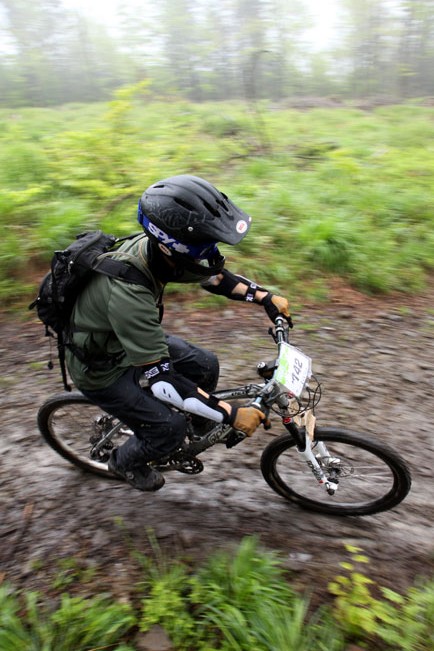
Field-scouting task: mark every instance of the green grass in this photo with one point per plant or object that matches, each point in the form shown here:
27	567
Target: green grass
237	600
76	624
336	192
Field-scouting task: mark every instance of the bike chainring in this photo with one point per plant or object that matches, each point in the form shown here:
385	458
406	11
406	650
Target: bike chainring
180	461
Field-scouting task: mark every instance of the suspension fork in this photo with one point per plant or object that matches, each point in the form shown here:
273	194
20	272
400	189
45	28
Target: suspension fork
302	442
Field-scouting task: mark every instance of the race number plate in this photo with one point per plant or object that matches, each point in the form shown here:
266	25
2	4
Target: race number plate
294	369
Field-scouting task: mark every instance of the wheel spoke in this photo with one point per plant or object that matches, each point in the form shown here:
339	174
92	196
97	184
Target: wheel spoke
356	485
370	476
73	427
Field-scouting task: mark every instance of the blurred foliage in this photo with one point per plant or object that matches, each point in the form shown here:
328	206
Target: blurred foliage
400	622
339	192
77	624
237	600
52	53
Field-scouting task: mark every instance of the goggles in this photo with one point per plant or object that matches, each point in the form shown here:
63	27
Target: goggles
203	251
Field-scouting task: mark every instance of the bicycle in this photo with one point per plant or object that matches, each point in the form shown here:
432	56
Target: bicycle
323	469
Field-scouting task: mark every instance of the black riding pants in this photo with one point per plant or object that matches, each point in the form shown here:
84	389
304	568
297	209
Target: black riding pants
158	429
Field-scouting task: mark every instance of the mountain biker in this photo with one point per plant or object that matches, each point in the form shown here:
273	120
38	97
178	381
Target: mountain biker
117	342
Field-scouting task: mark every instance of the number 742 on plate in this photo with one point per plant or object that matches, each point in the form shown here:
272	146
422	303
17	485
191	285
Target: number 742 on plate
293	370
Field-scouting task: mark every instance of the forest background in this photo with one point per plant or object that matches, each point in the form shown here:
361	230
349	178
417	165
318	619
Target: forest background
202	50
328	146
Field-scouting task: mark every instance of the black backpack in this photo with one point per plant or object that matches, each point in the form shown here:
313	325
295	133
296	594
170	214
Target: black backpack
71	270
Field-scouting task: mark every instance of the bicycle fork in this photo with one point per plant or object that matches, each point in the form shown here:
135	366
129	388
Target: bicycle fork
303	434
303	442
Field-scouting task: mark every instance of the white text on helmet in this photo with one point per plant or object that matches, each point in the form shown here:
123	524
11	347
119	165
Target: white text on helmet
169	241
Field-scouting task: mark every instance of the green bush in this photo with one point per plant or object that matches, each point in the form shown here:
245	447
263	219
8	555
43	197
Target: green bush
77	624
237	602
400	622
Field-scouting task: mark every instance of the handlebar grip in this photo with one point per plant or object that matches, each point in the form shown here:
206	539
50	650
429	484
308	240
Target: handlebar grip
257	404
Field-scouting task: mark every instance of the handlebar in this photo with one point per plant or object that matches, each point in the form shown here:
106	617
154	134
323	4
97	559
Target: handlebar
280	334
280	331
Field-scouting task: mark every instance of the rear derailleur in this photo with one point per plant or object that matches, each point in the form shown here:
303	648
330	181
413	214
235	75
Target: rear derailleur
102	444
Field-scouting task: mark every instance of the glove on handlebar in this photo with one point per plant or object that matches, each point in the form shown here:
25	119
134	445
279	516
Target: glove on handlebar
247	419
275	305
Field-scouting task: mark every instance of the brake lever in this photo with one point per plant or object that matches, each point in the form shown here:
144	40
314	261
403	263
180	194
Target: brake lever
259	404
272	334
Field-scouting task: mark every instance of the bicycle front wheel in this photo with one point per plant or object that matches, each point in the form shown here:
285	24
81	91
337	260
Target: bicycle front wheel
371	476
74	427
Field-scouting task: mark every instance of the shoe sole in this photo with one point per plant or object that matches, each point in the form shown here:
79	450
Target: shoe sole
155	487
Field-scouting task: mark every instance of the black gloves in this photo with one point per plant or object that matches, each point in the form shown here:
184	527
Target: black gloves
275	305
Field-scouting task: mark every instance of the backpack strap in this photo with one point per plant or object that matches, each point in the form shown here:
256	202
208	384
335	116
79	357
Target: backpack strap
62	362
114	269
123	271
129	274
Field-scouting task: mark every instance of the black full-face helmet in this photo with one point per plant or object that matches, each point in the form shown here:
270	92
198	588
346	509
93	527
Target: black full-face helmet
186	217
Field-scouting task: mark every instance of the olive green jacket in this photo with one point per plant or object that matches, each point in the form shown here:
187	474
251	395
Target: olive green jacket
116	323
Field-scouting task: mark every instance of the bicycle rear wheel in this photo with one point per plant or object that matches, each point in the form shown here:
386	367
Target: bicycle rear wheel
371	476
73	426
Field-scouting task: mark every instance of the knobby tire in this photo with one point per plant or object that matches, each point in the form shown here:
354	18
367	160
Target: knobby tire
65	422
367	465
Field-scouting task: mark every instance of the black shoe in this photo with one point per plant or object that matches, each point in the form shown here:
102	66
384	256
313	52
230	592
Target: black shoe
143	477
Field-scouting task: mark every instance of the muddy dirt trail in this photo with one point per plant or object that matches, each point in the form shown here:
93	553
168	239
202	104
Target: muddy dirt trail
376	363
